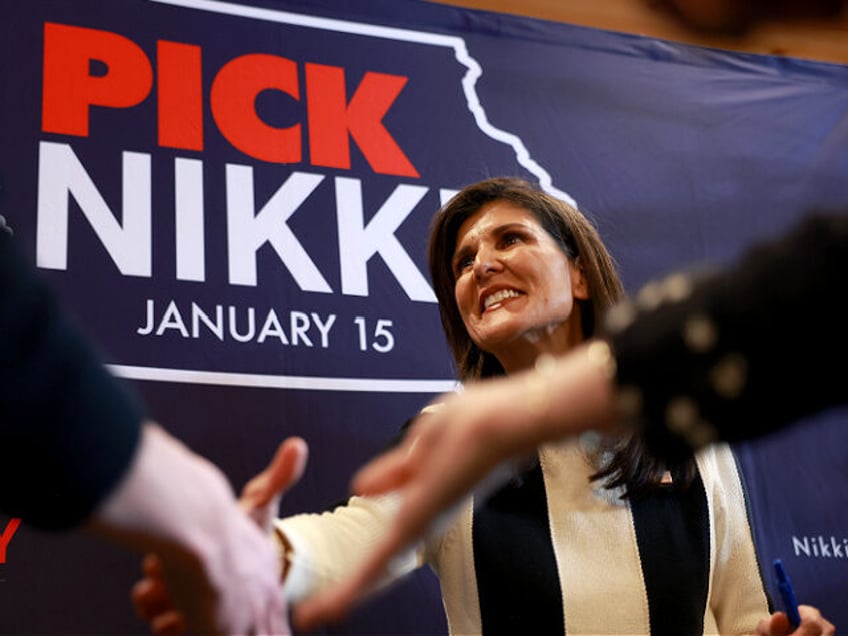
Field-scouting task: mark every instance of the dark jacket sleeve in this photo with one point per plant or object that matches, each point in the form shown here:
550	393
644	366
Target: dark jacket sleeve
742	351
69	429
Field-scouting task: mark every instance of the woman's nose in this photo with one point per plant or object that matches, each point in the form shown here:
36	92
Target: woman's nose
486	261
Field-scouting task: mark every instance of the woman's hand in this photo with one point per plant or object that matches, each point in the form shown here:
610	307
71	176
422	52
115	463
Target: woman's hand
260	497
466	442
812	624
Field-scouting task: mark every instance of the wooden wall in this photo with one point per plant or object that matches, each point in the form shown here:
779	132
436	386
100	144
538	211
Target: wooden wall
823	40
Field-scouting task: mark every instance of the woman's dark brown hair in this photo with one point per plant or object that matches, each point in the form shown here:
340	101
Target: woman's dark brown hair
578	238
569	228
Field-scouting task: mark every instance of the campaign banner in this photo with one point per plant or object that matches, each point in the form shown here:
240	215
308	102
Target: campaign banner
233	200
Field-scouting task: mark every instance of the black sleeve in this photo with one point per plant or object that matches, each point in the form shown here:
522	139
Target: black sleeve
743	351
69	429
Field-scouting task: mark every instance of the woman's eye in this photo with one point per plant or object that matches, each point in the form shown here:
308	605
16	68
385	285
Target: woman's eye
464	263
510	239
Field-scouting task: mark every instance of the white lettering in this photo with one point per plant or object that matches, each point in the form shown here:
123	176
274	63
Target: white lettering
188	214
198	316
238	324
272	327
801	546
323	327
172	320
820	546
359	242
299	325
61	174
247	232
128	242
251	322
445	195
146	329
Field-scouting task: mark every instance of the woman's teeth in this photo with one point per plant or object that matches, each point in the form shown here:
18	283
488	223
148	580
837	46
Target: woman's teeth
499	296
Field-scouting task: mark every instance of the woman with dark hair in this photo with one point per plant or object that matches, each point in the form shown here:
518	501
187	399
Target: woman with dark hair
629	465
573	234
692	361
588	537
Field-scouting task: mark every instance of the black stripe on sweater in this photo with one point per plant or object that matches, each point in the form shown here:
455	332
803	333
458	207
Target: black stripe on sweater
517	579
672	532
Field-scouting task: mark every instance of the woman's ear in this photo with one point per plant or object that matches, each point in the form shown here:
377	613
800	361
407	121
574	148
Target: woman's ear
579	284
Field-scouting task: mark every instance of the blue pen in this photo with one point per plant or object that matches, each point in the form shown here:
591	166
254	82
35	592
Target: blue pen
790	603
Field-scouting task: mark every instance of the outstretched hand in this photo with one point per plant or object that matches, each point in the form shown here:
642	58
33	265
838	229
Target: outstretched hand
449	449
472	441
259	499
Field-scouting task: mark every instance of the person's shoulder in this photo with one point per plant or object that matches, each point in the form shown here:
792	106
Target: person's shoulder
824	227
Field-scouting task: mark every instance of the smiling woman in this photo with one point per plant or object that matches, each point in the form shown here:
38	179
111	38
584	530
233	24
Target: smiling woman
489	235
520	276
510	276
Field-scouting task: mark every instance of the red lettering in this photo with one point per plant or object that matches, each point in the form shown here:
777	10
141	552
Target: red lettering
233	99
331	118
6	537
70	88
72	85
180	92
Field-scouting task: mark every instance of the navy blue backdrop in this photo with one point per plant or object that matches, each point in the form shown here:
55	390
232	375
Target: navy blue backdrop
233	200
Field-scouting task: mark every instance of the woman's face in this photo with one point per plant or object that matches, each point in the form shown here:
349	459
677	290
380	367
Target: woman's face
514	285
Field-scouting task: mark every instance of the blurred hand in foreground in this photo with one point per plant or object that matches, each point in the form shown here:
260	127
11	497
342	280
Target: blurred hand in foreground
158	596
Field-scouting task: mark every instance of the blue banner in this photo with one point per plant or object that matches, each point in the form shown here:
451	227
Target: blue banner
233	199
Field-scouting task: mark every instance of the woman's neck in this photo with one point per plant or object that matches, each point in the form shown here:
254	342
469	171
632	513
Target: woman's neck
522	353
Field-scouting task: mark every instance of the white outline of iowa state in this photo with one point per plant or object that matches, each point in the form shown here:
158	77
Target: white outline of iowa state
469	81
457	44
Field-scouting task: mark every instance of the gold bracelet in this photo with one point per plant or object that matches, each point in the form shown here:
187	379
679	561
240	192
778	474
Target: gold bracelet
284	552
